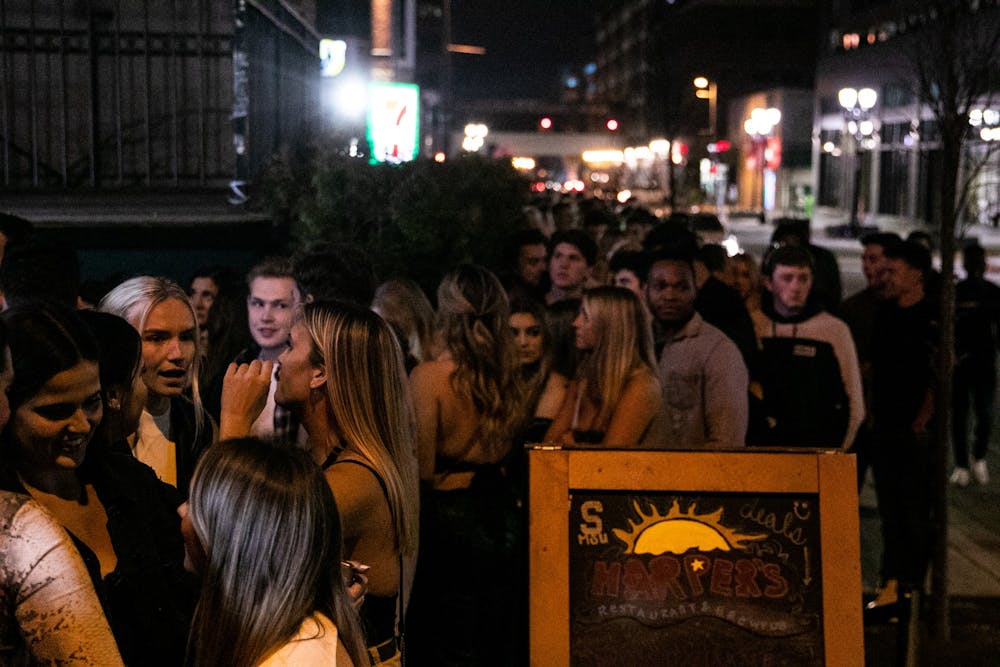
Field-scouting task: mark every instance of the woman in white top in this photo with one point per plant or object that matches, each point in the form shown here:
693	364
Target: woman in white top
174	427
261	527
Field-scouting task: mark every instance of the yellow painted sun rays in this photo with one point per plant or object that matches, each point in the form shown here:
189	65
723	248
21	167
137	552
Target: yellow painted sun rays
678	532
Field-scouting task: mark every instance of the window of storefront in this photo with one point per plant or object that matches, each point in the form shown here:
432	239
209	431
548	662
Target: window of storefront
894	169
830	169
893	181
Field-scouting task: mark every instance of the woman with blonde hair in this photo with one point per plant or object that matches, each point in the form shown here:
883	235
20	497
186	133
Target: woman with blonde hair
470	407
173	429
404	306
261	528
342	376
615	398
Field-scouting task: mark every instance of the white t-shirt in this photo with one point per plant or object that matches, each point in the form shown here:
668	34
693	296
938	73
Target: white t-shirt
152	445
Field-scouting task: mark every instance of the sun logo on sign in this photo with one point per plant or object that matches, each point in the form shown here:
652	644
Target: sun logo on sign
678	532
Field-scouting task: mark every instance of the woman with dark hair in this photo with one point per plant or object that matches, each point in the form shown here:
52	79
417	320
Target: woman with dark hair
122	388
261	528
545	388
122	520
49	613
615	398
226	333
470	407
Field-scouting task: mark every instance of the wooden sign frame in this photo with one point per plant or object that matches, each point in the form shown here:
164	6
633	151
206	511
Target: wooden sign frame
555	472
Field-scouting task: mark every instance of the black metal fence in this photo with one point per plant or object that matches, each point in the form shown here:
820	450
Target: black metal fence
149	93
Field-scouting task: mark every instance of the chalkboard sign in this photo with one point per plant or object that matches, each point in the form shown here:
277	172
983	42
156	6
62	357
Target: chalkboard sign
711	579
693	558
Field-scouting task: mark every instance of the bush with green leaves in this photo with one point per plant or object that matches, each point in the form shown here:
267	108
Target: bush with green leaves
417	219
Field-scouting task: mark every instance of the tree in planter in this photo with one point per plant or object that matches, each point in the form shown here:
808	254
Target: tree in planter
952	66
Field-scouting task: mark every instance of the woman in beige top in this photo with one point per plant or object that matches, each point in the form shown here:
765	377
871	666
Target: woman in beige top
615	399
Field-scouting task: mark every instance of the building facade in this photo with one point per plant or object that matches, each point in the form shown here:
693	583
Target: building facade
649	53
880	45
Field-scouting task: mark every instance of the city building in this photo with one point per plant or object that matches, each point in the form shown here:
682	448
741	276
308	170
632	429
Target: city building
883	156
650	53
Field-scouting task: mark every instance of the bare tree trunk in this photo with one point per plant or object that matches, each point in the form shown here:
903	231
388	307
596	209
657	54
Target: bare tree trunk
940	620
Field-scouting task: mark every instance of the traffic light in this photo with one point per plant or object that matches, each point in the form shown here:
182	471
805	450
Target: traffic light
612	125
545	123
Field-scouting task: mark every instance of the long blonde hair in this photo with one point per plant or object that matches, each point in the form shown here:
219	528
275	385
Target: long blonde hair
623	343
268	524
475	318
368	397
134	299
403	304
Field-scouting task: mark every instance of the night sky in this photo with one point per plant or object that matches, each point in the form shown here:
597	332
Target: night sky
530	45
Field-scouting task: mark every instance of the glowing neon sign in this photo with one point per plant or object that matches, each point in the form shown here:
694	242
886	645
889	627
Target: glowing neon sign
394	121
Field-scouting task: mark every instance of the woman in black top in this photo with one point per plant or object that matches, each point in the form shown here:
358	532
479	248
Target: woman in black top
342	376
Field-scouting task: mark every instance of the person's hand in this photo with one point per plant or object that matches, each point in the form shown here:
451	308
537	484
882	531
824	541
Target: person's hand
244	394
356	580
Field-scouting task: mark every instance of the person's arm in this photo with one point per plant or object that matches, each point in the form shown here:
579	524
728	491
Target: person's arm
427	409
850	373
358	496
726	400
563	422
552	396
924	414
57	609
640	402
244	395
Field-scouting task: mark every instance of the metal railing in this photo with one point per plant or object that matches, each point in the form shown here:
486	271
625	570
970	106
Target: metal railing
119	93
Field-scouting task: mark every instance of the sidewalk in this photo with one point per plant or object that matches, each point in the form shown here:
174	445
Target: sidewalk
973	576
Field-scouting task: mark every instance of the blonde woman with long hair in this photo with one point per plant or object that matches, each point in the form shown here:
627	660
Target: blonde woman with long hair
404	306
174	429
261	528
615	398
469	407
342	376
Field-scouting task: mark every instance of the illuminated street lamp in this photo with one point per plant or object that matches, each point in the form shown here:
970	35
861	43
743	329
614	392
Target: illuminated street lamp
707	90
857	106
475	137
760	127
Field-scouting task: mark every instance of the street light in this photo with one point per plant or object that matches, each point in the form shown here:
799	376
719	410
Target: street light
857	106
475	137
759	127
706	90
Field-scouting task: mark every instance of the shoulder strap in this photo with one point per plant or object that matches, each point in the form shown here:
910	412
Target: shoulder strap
367	466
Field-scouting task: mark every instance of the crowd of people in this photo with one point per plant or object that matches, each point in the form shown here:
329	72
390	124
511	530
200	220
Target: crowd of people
307	466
